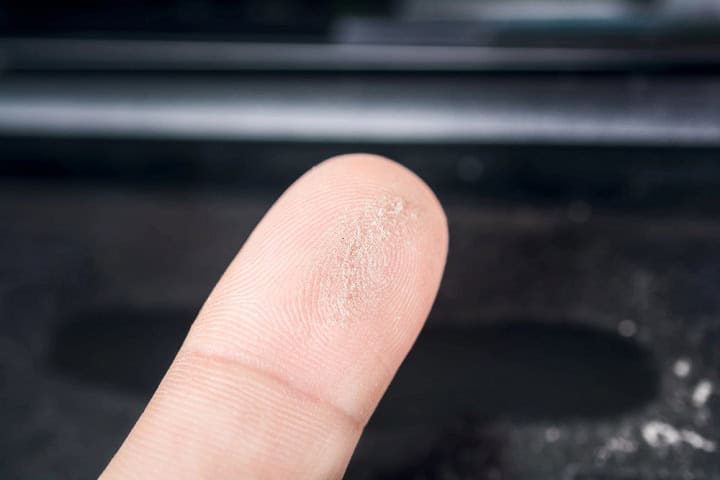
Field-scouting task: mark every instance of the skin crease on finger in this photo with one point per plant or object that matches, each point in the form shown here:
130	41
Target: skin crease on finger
323	301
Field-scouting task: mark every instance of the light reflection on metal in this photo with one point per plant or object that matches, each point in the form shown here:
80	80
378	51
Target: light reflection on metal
528	110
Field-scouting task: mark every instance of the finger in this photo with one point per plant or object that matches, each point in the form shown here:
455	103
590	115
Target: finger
299	339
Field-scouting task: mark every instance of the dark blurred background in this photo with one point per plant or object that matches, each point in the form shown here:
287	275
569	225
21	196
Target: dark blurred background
573	143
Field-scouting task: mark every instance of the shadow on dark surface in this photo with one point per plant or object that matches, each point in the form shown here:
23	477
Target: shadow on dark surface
123	349
458	389
518	370
461	452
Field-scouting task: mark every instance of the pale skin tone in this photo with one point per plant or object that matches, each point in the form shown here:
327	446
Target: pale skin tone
301	336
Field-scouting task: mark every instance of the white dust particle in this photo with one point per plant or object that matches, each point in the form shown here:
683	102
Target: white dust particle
682	367
663	435
697	441
627	328
702	392
659	434
552	435
621	444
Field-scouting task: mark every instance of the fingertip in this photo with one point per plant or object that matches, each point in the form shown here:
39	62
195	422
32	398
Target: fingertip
301	336
343	270
377	169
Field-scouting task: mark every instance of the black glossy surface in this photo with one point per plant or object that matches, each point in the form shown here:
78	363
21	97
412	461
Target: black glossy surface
570	296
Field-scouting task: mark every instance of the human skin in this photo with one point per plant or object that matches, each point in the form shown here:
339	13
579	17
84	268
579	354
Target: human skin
301	336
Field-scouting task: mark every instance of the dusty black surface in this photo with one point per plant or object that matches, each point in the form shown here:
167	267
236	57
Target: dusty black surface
575	333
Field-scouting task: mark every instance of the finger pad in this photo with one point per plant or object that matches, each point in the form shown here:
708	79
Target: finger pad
333	286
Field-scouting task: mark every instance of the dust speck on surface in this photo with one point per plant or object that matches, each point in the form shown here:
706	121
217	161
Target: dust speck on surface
663	435
682	367
660	434
617	445
702	393
697	441
621	444
627	328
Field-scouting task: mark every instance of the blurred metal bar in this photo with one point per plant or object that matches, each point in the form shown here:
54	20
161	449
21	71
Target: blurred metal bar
27	54
430	109
538	10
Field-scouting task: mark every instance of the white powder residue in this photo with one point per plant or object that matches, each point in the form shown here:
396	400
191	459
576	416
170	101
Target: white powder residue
398	206
662	435
695	440
619	445
682	367
358	259
659	434
702	393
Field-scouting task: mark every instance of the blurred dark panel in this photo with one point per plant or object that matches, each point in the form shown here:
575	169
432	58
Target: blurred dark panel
426	35
93	17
